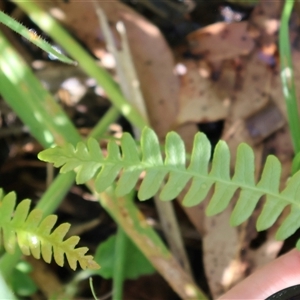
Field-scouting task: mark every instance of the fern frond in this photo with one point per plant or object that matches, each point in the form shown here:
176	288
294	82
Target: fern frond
87	160
35	236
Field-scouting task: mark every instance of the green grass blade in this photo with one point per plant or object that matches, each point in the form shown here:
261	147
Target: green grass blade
119	264
32	103
86	61
33	38
287	75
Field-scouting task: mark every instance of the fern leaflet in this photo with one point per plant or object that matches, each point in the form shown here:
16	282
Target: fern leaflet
88	162
34	234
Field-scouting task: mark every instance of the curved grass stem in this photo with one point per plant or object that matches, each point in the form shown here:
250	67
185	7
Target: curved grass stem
287	75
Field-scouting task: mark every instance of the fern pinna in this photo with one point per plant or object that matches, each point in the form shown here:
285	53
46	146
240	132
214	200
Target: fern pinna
34	234
172	175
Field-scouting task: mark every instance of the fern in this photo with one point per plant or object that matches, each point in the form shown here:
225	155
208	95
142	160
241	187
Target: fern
88	162
34	234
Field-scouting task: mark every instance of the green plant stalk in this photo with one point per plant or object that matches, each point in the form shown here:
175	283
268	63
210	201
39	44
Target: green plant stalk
118	276
287	75
92	288
72	286
33	37
100	128
45	128
120	254
86	62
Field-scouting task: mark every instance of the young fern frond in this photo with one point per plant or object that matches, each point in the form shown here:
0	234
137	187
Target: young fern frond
35	236
88	162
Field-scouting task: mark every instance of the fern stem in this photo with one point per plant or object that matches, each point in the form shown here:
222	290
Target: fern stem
287	75
86	62
147	240
120	255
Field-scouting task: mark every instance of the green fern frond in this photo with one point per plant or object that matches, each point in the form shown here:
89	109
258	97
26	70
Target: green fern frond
88	161
35	236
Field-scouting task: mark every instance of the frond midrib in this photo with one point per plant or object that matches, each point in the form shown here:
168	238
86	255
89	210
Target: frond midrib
30	232
144	166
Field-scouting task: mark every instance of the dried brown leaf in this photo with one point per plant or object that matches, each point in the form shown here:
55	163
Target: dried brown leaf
232	40
202	99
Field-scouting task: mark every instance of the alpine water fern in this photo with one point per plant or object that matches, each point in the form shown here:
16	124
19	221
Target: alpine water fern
35	236
173	172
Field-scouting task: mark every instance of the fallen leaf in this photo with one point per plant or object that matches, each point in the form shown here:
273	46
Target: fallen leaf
232	39
265	122
264	21
221	253
202	99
